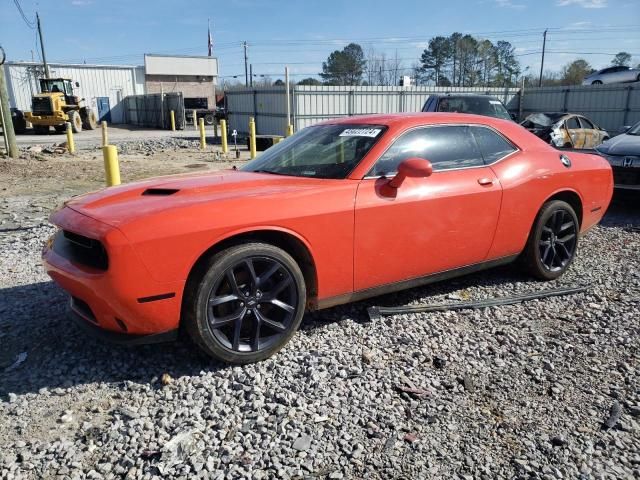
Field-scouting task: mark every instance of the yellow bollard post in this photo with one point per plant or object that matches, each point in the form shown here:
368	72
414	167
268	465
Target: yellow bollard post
223	133
111	167
203	138
289	130
173	120
195	119
71	145
252	138
105	134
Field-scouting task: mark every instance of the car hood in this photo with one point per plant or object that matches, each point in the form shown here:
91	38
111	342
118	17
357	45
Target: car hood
621	145
119	205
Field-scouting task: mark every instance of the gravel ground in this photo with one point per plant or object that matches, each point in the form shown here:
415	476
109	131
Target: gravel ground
545	389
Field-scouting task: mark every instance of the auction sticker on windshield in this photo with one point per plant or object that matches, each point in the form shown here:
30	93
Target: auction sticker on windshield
361	132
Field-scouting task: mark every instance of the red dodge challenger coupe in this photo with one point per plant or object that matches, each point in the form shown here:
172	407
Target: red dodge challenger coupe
341	211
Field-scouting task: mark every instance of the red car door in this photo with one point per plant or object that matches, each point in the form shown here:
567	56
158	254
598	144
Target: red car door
432	224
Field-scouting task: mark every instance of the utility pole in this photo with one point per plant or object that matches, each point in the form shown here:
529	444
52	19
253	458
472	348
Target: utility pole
251	75
44	57
288	95
5	113
544	45
246	75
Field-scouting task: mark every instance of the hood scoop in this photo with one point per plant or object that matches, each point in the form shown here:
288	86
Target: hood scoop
160	192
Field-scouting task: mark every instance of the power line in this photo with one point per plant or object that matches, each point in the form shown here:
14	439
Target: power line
29	23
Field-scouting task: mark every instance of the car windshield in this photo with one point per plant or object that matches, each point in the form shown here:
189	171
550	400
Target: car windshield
635	130
477	105
324	151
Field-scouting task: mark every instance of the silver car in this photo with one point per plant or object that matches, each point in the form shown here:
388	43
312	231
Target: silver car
623	153
613	75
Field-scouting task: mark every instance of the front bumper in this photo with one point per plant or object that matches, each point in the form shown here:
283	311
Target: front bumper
118	338
626	171
121	299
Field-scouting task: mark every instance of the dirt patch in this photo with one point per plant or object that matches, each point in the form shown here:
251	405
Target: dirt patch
31	186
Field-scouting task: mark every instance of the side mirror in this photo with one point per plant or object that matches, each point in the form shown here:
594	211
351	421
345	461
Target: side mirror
411	167
77	84
513	117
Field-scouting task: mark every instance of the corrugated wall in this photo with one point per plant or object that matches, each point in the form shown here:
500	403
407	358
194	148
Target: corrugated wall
115	82
313	104
609	106
266	105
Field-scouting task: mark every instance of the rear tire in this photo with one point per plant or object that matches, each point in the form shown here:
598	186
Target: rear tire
596	82
75	121
245	303
209	119
89	119
553	241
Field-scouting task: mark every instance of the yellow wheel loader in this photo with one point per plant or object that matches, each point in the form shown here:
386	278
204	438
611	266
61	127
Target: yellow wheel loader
56	105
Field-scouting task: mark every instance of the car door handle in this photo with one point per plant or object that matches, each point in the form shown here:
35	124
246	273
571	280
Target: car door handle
485	181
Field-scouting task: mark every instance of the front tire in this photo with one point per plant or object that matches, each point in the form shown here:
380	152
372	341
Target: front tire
596	82
553	241
245	303
75	121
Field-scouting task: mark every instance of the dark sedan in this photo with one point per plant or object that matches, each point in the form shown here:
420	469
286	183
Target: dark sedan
623	153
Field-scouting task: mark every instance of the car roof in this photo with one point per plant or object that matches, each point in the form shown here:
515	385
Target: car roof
465	95
420	118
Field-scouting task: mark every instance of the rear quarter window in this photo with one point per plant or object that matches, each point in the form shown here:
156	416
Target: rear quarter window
492	145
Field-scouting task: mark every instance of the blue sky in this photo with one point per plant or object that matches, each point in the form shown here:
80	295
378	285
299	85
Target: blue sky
303	33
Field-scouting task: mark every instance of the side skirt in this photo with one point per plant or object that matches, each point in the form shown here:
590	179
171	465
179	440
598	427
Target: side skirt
412	283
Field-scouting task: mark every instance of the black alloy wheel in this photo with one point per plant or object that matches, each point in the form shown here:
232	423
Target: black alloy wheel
243	304
253	304
553	241
558	240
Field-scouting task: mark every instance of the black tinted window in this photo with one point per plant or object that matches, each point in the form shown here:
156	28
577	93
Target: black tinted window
572	123
444	147
492	145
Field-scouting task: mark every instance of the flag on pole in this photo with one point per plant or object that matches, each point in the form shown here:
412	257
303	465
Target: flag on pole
209	38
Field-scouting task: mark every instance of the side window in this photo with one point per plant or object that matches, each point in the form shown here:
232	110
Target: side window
492	145
586	123
572	123
445	147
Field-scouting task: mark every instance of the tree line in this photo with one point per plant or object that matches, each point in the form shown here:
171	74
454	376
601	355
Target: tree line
456	60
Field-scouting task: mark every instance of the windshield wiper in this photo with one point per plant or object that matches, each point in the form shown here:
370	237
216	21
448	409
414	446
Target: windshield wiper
263	170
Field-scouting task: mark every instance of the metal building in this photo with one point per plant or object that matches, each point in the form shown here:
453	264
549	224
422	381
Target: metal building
193	76
103	87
